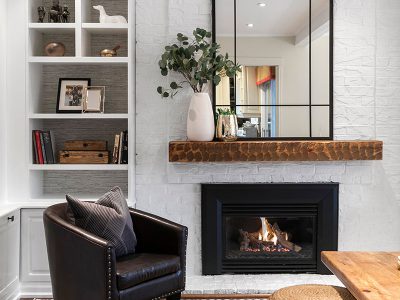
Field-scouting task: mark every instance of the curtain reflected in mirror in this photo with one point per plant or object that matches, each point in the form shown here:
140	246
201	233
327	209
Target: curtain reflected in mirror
283	89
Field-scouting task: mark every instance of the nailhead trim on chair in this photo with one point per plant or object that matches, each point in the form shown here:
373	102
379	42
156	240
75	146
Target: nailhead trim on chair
109	272
184	275
169	294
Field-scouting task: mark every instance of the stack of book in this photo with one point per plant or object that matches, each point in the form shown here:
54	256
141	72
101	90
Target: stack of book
43	147
120	151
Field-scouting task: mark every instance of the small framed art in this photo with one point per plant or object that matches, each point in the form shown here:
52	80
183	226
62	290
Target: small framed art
93	99
70	94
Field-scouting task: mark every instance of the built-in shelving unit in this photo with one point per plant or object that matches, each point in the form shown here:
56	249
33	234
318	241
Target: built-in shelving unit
83	37
77	116
83	167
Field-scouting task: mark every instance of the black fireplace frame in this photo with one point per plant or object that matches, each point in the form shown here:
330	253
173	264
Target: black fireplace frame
322	197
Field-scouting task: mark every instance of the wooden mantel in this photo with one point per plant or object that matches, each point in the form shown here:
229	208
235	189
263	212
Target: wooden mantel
253	151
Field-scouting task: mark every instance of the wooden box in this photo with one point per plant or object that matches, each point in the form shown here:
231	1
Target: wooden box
85	145
83	157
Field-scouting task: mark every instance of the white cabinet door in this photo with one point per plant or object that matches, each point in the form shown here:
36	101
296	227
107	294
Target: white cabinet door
34	263
9	253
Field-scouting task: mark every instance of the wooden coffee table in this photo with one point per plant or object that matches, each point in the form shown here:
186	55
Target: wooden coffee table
367	275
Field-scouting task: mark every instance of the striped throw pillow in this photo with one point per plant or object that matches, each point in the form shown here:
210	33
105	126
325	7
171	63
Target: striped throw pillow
108	218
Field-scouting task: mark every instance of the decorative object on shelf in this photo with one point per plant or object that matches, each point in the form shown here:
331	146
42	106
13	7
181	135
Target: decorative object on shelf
199	62
65	14
84	152
55	12
43	147
70	94
41	13
104	18
85	145
54	49
250	130
227	125
110	52
93	99
83	157
120	150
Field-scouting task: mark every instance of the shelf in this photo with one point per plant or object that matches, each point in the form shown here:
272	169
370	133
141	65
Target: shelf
78	60
53	27
253	151
76	116
105	28
80	167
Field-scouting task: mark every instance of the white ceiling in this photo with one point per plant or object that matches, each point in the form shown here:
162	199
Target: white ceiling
277	18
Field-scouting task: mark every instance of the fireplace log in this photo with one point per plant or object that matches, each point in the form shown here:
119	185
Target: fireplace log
250	239
282	239
244	240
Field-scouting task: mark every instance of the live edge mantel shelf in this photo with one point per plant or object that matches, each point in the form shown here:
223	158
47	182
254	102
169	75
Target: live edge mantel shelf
253	151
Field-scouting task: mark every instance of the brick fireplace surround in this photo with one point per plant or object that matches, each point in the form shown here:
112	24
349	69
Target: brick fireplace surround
366	106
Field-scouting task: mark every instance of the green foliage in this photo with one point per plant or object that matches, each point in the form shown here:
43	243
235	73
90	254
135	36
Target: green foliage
225	111
197	60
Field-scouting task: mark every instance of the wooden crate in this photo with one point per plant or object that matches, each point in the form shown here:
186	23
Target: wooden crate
83	157
85	145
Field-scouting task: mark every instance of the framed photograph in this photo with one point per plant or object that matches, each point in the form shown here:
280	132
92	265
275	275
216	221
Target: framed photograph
70	94
93	99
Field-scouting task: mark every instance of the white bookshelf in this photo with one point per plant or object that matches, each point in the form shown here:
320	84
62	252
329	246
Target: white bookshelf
78	60
35	116
105	28
80	167
83	38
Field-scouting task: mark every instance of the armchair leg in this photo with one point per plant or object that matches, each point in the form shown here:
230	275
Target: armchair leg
174	297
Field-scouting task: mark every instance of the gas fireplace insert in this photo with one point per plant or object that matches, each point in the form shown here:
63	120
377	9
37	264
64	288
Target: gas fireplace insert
268	228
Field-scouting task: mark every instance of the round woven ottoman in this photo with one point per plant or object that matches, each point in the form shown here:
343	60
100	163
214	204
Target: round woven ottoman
312	292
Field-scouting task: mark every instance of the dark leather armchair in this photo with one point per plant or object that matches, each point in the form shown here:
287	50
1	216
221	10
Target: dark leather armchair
84	267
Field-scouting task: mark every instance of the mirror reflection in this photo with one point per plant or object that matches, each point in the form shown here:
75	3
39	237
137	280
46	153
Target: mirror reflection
273	95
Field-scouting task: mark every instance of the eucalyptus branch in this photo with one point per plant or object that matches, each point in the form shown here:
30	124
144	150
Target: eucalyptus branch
197	61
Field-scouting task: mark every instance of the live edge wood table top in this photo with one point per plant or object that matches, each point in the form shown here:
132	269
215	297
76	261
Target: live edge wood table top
367	275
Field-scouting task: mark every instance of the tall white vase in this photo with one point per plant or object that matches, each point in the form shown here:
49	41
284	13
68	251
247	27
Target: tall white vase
200	121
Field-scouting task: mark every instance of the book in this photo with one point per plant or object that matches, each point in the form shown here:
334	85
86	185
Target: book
121	137
53	146
115	149
42	145
124	155
48	147
39	147
35	152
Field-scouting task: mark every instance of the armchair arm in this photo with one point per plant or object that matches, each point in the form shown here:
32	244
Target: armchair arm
158	235
82	265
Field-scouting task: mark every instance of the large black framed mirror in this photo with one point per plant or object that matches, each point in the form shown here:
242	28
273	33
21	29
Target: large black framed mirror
285	48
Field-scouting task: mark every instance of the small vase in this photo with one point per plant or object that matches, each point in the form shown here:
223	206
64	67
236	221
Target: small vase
227	128
200	120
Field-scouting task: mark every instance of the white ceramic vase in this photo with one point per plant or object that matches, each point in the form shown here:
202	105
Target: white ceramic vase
200	121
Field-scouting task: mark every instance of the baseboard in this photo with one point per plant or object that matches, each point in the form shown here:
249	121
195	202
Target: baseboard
35	289
10	292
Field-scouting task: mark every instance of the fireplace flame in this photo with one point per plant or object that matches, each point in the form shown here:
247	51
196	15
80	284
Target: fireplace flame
267	233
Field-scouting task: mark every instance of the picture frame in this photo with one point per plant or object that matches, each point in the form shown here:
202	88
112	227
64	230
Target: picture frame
70	94
93	99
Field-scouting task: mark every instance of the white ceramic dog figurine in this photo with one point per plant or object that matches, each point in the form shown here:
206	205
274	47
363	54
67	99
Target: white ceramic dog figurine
104	18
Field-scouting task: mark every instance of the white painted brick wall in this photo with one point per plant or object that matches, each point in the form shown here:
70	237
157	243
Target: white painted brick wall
367	106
